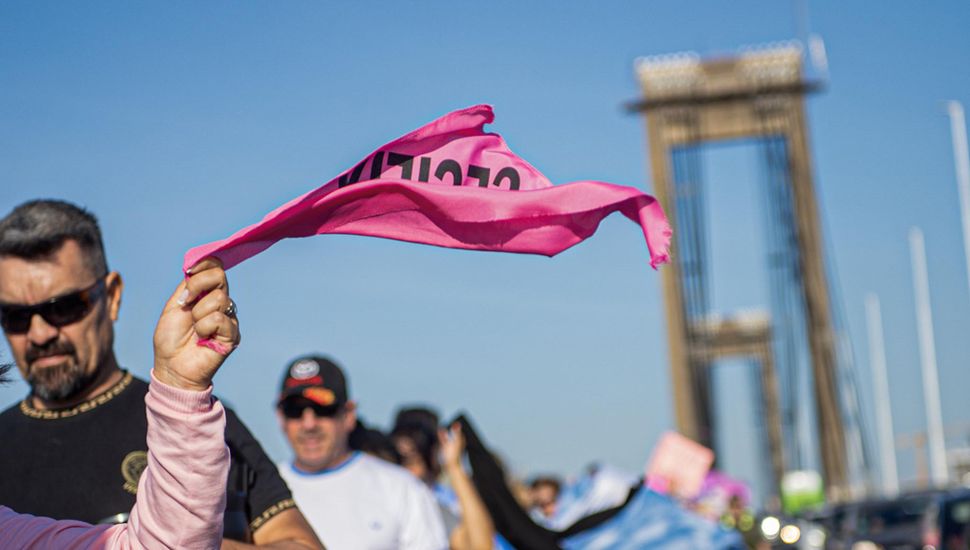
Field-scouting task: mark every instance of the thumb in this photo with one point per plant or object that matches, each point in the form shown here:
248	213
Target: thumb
177	299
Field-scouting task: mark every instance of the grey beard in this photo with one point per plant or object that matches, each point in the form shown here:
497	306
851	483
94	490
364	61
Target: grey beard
59	383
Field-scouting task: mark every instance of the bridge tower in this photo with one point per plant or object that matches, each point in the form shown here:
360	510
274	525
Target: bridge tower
757	95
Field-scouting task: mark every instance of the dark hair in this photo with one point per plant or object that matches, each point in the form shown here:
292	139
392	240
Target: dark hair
4	369
425	440
421	415
373	442
547	480
36	229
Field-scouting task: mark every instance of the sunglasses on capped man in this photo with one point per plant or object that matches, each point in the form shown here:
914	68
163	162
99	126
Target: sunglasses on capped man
293	408
58	312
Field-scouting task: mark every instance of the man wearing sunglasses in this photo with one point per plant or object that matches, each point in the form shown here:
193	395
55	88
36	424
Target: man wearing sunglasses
353	500
183	489
80	433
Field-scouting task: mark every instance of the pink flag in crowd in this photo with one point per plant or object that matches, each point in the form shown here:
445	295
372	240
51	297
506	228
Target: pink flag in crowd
678	466
450	183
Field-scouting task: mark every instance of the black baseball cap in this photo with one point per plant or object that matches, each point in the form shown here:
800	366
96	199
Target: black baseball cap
316	378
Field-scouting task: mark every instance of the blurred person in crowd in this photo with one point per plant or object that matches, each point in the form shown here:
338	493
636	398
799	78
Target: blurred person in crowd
543	494
81	431
417	414
419	441
183	488
353	500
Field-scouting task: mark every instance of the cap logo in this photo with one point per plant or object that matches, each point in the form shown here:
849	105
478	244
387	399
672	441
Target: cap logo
304	368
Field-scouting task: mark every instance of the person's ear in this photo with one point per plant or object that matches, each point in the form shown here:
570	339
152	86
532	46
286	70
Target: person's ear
114	286
350	415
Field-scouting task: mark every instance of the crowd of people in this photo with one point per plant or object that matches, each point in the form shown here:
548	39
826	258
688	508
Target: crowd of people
95	456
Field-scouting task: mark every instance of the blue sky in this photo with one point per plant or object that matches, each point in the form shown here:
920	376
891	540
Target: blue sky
178	123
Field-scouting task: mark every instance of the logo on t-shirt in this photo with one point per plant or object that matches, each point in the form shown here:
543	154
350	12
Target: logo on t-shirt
132	467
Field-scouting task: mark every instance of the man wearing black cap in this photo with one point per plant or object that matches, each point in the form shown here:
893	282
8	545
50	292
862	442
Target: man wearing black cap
352	500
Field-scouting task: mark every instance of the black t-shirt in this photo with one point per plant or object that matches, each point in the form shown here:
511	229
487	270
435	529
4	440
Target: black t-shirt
84	462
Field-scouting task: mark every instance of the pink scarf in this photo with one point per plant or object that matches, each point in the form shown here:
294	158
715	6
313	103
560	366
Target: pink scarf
451	184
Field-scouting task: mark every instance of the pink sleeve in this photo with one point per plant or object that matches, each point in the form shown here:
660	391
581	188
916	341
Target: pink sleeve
26	531
181	496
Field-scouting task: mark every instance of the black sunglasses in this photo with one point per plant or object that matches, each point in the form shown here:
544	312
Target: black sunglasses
293	409
59	311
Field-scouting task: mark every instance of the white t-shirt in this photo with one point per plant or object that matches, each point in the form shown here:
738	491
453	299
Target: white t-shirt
367	504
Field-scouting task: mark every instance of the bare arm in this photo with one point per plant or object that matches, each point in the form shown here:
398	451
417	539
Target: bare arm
287	530
476	530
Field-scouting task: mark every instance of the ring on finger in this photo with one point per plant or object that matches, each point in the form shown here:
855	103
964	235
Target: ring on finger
231	310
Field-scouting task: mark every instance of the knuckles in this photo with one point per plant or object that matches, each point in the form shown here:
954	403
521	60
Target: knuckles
211	279
216	300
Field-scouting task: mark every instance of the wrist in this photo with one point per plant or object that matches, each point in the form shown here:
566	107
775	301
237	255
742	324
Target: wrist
169	377
178	399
